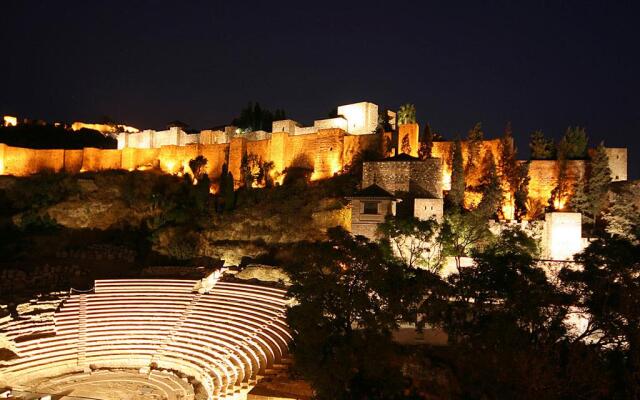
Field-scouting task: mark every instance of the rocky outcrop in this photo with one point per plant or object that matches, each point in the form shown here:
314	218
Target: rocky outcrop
95	214
264	273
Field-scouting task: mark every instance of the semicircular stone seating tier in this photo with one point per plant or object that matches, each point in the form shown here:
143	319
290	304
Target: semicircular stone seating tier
227	338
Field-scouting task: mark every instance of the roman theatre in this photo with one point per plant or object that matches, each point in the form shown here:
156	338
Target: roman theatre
149	339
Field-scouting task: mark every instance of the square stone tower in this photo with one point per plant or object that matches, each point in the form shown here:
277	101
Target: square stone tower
617	163
362	118
562	235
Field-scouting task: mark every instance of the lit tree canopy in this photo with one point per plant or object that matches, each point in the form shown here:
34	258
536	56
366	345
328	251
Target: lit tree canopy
407	114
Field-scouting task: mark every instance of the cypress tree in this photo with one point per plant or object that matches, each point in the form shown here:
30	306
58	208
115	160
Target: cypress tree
579	200
456	194
426	146
521	192
599	181
540	147
574	144
475	137
491	189
623	216
508	164
229	193
590	194
560	192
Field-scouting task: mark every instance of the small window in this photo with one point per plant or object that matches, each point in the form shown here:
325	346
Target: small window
370	207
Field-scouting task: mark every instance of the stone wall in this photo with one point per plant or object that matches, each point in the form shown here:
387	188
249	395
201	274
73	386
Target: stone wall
331	123
444	150
326	152
2	151
73	161
562	236
419	177
367	224
543	175
425	209
362	117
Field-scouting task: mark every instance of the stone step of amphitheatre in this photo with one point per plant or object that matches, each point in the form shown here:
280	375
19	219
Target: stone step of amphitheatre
228	338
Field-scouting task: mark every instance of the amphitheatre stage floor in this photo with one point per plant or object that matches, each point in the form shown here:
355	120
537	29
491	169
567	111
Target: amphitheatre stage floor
151	339
115	385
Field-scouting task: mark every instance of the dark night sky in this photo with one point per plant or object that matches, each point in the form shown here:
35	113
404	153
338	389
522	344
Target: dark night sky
541	65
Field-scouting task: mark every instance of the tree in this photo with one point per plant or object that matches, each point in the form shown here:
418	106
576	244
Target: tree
384	124
197	166
607	288
623	216
251	169
462	231
590	196
521	193
406	145
505	321
579	201
413	241
255	118
507	161
227	190
426	145
456	195
475	137
560	192
476	133
599	180
349	297
573	144
407	114
491	189
267	169
541	148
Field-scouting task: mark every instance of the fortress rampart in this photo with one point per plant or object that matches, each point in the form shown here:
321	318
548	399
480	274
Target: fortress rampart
326	148
326	153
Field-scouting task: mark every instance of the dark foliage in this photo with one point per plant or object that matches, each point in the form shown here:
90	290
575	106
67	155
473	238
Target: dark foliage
255	118
50	137
608	289
349	298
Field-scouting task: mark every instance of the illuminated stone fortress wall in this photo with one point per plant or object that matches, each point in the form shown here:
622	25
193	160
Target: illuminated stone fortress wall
326	147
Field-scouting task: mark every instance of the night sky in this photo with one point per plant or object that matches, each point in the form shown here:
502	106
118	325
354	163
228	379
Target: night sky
541	65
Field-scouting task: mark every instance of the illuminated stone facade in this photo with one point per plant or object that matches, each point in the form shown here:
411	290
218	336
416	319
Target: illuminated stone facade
562	236
369	208
617	163
405	174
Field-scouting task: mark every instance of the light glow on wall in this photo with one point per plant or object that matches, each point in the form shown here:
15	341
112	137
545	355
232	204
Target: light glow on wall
564	235
1	166
169	166
10	121
104	128
508	211
446	177
334	164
